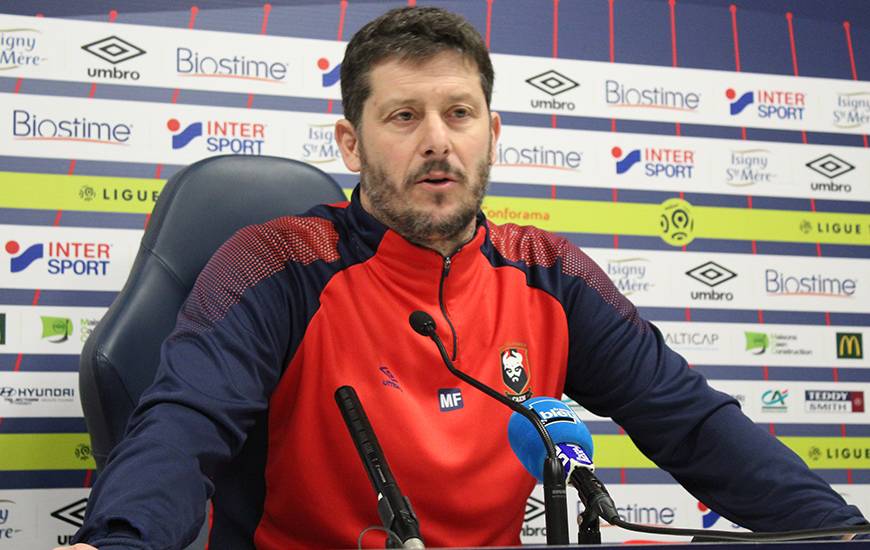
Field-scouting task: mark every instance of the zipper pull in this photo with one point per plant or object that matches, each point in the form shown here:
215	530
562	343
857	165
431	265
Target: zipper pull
446	270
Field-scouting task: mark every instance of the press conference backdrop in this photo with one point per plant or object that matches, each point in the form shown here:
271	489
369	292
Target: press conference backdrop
712	157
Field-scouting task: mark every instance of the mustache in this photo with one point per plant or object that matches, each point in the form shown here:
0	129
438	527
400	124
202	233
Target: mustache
439	165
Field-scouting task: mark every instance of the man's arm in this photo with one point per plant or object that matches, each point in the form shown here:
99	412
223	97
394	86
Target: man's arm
217	370
620	366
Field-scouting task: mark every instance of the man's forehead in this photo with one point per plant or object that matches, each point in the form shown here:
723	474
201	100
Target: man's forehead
392	72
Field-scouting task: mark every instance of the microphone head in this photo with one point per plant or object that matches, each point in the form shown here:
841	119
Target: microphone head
422	323
560	421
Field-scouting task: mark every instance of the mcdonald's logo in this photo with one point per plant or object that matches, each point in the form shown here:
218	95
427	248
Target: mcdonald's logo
850	345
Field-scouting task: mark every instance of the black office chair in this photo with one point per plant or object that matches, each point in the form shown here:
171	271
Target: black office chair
200	208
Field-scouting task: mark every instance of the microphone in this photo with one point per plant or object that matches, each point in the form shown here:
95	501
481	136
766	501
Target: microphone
394	508
555	495
573	446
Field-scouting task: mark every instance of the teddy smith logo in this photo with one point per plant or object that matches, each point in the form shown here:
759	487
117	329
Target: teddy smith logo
515	371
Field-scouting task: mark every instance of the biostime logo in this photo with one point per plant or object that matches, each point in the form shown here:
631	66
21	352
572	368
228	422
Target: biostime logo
552	83
113	50
538	157
64	257
775	104
18	49
778	283
617	94
830	166
222	136
657	162
330	76
712	275
32	127
192	63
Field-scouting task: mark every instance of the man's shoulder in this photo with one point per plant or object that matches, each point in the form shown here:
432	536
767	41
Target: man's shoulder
302	238
533	246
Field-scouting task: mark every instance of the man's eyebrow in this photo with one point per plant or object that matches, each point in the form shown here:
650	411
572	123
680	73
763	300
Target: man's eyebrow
414	102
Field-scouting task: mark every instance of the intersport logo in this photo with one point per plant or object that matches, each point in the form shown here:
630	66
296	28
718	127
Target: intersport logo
63	257
657	162
769	104
221	136
330	76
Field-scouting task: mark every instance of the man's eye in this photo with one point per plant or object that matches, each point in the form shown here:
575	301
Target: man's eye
461	112
404	115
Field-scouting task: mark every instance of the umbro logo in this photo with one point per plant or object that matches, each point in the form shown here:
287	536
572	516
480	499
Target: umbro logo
552	82
711	274
830	166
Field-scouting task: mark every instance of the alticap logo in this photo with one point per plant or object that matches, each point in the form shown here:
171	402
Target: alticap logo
64	257
771	104
222	136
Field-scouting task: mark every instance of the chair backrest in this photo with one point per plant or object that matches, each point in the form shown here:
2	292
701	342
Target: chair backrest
199	209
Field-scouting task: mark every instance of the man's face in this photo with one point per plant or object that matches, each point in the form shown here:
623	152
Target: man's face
424	147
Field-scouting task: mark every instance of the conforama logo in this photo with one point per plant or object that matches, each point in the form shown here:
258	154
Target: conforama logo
64	257
222	136
330	76
770	104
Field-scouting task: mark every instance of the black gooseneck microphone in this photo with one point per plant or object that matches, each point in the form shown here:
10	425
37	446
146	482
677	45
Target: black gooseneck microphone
555	494
394	508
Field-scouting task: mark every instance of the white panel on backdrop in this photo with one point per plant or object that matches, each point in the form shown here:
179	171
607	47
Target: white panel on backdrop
48	329
767	344
40	395
97	129
737	281
87	51
654	504
41	518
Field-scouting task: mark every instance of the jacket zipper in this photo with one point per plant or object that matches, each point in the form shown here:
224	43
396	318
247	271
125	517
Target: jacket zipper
444	272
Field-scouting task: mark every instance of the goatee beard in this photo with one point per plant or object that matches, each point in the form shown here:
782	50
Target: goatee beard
417	224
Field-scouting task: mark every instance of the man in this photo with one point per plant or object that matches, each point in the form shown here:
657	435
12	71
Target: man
242	408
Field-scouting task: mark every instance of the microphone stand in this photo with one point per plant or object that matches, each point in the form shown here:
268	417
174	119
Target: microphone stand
555	493
589	531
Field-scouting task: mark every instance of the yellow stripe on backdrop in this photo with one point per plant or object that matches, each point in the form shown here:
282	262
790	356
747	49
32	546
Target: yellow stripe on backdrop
46	452
831	453
137	196
72	452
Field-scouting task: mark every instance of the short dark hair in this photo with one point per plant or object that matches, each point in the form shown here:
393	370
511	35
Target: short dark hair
413	34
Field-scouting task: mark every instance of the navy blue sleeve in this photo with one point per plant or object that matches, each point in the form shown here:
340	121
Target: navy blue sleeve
217	370
620	367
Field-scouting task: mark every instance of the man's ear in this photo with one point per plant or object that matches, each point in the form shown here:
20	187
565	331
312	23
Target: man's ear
495	132
348	143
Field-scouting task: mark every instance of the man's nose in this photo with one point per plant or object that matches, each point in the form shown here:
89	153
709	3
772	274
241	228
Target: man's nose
436	139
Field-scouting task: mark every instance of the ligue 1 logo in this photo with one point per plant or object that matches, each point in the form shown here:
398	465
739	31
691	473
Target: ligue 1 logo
677	222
